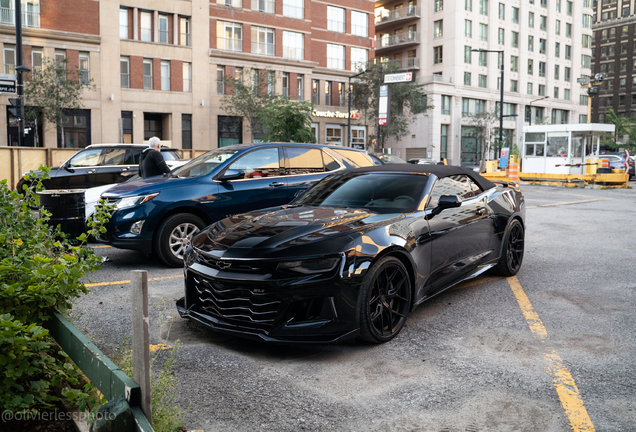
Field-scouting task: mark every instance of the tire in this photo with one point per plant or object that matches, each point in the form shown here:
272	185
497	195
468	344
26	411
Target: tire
386	300
173	237
512	251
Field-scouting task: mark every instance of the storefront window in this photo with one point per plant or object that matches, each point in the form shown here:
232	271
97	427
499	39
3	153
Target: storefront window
230	130
334	134
76	127
471	146
359	137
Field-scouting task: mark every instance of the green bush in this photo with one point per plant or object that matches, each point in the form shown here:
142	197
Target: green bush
40	273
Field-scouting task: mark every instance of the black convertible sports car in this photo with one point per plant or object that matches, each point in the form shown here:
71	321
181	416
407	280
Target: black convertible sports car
353	255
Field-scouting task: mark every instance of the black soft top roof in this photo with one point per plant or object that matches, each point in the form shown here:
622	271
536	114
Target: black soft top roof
439	170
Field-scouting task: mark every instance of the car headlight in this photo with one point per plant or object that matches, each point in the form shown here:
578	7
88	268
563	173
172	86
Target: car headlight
133	201
310	266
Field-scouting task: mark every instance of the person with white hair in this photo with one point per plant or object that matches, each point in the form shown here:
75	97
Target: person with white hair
151	162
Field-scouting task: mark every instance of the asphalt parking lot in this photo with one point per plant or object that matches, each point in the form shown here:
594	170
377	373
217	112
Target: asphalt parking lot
552	349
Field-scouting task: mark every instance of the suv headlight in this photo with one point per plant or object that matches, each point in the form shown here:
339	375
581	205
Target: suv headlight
133	201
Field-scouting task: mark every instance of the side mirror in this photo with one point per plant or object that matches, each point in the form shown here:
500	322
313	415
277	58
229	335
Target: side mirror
445	202
67	167
232	175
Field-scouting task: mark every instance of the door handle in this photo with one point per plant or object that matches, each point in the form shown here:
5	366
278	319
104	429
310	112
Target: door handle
277	184
91	171
124	169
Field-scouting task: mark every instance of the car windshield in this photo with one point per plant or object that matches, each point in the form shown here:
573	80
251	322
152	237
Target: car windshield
204	164
170	155
379	192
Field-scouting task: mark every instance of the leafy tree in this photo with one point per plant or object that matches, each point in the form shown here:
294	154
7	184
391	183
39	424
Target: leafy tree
287	121
624	126
486	130
51	91
247	97
407	101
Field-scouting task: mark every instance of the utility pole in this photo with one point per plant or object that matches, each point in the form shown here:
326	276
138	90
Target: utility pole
19	69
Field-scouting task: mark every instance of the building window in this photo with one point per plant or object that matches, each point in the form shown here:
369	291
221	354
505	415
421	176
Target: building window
60	57
515	15
514	86
341	94
266	6
542	69
293	45
335	19
541	90
530	43
359	58
583	100
359	24
335	56
148	74
123	23
531	20
542	46
501	39
84	68
543	23
470	146
530	88
124	72
220	80
566	94
483	58
146	27
271	83
473	107
438	29
568	52
36	60
186	131
468	54
483	81
446	102
530	67
262	41
559	116
229	36
515	39
300	87
294	8
184	36
468	28
556	92
232	3
467	78
333	134
514	64
483	7
443	143
328	85
557	27
230	130
163	29
439	5
187	77
586	61
438	54
568	30
483	32
502	11
557	49
315	92
468	5
126	127
285	84
165	75
77	129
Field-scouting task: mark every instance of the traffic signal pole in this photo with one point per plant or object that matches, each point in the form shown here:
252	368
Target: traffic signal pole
18	70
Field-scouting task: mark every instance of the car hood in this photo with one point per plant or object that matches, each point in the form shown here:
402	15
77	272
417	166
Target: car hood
249	234
145	185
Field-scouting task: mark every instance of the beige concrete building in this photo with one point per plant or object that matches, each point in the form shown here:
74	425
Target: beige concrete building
546	46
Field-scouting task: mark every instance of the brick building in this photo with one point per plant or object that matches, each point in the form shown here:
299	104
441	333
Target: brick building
158	65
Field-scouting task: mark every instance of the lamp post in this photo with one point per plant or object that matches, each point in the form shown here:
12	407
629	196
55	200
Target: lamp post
501	116
530	105
349	107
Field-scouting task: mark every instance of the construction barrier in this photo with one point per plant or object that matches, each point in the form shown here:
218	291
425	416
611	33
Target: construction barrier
606	163
513	171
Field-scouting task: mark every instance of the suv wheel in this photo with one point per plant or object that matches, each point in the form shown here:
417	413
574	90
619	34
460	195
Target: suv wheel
174	236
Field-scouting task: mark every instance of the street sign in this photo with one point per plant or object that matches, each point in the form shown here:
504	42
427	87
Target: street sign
583	80
7	86
399	77
383	113
8	77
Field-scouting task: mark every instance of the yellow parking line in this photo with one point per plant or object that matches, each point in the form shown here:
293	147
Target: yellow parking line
563	382
569	202
123	282
99	247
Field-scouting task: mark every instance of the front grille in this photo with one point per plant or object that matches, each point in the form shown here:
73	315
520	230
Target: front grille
239	304
236	265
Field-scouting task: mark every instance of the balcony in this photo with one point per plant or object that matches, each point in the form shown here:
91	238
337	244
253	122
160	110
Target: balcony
29	19
397	16
410	63
400	40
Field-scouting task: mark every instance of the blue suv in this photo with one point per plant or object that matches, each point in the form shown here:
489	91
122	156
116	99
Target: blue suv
161	214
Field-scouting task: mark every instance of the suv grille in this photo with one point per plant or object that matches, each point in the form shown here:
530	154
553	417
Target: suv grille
237	304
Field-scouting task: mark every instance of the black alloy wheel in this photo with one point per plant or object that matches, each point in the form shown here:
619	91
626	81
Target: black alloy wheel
512	252
386	299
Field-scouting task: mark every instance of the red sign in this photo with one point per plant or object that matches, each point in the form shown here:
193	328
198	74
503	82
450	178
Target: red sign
382	121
